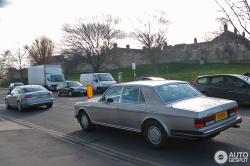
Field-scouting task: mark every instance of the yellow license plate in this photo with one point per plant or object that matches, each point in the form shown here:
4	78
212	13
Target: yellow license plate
221	116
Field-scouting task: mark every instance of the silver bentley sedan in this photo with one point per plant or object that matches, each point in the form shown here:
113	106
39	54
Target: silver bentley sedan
160	110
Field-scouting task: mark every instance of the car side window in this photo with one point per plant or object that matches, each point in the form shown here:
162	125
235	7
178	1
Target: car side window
65	84
20	91
113	93
217	81
203	80
130	95
235	82
13	91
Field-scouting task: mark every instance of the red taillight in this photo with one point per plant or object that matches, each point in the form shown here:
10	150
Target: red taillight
233	112
200	123
49	93
28	96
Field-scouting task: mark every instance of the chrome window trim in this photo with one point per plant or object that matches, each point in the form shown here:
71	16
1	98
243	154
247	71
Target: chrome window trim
116	126
141	91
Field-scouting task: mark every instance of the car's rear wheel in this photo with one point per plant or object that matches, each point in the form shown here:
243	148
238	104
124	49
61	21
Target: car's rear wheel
98	90
85	122
19	106
70	93
49	105
58	93
7	104
154	134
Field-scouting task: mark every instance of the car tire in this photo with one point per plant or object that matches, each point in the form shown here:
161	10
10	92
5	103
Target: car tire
19	106
70	94
154	134
85	122
98	90
49	105
59	93
7	104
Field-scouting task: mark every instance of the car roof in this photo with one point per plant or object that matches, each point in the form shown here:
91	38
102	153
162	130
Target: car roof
29	86
152	78
234	75
151	83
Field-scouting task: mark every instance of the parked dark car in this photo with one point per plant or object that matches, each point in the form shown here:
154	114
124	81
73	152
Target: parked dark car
71	88
228	86
14	84
246	74
150	78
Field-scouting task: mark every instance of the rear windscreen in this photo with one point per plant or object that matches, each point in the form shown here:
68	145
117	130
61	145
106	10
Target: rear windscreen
33	89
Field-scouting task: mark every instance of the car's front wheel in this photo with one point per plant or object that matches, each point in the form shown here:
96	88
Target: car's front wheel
7	104
70	93
49	105
58	93
19	106
154	134
85	122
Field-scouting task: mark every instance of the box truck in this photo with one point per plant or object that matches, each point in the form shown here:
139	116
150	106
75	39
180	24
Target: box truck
48	76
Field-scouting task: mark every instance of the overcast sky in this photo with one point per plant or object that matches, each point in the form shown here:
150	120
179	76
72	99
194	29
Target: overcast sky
23	20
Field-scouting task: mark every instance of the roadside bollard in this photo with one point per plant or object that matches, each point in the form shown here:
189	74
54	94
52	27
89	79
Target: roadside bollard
90	93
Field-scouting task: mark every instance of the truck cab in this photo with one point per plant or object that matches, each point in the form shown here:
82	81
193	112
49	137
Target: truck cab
53	80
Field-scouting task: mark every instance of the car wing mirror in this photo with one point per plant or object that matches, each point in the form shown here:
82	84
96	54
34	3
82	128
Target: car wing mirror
109	100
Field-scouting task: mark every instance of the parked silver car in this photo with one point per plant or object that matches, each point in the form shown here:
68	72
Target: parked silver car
159	109
22	97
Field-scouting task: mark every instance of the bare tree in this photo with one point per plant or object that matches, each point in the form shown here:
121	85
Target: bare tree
6	61
2	69
208	36
92	40
20	57
237	12
40	51
152	35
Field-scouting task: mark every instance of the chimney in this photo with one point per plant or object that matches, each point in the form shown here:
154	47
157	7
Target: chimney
235	30
225	28
195	40
243	34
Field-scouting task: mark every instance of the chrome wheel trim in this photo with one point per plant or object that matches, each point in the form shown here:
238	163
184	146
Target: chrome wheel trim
154	135
84	120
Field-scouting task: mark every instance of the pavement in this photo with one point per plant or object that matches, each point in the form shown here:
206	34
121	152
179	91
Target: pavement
24	146
53	137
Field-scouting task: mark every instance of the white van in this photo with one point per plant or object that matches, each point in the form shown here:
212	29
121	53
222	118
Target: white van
99	81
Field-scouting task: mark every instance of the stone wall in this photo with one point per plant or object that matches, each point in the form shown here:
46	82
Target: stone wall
229	47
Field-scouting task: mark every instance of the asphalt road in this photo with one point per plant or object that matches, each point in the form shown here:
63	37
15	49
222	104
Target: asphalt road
123	144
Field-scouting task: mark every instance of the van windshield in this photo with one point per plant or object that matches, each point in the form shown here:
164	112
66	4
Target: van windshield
105	77
56	78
